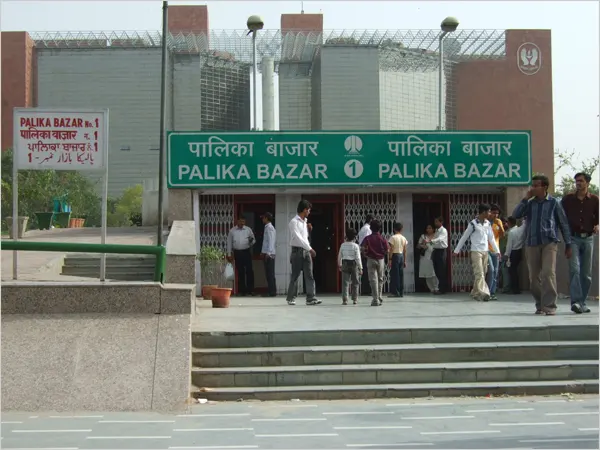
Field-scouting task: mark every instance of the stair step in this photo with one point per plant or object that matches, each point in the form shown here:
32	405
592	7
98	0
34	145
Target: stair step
393	353
342	392
227	340
353	374
110	264
125	276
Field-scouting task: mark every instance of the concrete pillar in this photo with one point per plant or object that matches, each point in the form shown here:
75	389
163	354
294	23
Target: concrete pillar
268	93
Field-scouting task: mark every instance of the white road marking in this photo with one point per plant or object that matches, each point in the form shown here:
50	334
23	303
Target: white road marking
414	444
459	432
574	414
136	421
559	440
213	429
214	415
288	420
214	446
588	429
11	422
374	428
51	431
438	418
128	437
296	435
75	417
356	413
41	448
524	424
298	406
418	404
498	410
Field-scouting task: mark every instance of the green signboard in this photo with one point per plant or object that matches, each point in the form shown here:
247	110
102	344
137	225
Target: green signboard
347	158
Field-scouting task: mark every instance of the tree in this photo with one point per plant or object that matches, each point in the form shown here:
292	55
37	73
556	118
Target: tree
571	160
38	189
126	210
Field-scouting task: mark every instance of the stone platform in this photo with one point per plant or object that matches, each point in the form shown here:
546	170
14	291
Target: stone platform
258	314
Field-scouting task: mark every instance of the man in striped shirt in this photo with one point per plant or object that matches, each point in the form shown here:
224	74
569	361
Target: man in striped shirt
545	216
350	264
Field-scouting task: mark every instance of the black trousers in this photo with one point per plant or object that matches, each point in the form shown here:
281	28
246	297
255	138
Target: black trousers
365	285
440	267
516	256
245	272
270	275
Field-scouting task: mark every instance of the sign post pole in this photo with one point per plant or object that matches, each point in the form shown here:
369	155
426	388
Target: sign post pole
104	199
15	199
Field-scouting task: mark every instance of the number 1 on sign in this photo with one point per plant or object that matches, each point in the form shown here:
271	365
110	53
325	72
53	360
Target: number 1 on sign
353	168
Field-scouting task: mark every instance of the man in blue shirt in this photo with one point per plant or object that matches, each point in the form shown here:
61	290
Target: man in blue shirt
545	216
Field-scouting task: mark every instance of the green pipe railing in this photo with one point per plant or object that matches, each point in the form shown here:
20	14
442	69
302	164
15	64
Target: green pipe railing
159	251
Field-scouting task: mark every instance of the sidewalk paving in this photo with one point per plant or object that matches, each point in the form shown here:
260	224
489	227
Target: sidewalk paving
46	266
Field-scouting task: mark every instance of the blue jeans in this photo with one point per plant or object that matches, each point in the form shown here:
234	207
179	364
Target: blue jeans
580	269
492	274
397	274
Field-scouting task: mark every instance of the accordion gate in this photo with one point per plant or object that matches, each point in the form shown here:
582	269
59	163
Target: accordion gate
463	208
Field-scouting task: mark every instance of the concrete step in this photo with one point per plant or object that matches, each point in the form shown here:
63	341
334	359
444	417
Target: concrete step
363	391
301	338
390	354
354	374
116	275
111	261
93	271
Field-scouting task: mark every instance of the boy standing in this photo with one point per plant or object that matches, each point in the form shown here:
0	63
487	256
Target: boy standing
350	264
397	261
479	231
376	248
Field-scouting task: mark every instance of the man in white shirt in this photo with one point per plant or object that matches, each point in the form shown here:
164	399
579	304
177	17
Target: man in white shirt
480	233
301	257
514	253
239	250
268	253
365	285
439	256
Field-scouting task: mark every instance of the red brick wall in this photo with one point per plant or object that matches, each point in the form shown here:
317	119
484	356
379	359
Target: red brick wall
302	22
188	18
496	95
18	78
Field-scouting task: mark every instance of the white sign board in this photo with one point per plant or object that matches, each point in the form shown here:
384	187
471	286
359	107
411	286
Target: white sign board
60	139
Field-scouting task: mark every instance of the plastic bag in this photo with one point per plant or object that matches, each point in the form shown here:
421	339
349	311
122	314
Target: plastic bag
228	273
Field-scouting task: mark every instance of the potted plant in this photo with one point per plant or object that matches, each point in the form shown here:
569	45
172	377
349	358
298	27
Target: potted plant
212	264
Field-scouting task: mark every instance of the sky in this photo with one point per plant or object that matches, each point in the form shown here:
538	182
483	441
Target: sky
574	25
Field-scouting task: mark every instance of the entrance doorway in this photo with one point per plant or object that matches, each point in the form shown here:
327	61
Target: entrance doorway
326	218
251	208
425	209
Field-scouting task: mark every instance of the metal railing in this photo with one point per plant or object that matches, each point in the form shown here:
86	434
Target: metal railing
158	251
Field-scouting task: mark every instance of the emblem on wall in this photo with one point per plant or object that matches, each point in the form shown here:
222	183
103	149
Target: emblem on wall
529	58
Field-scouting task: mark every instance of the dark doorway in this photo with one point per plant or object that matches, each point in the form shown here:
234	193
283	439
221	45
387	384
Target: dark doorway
425	210
251	208
325	218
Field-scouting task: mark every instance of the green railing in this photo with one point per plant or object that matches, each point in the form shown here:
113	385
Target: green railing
29	246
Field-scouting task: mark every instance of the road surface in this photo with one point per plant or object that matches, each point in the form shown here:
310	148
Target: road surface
496	423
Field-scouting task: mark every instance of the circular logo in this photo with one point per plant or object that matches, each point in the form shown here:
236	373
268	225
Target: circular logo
353	145
353	168
529	58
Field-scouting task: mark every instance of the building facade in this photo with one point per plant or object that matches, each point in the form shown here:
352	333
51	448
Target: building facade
377	81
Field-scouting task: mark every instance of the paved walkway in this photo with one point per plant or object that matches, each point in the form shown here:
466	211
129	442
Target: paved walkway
412	311
494	423
45	266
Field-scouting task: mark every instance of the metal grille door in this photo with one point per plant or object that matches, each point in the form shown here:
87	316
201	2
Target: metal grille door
463	209
381	205
216	219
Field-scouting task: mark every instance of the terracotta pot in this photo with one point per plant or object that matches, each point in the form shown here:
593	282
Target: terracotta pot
220	297
81	222
73	223
206	291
